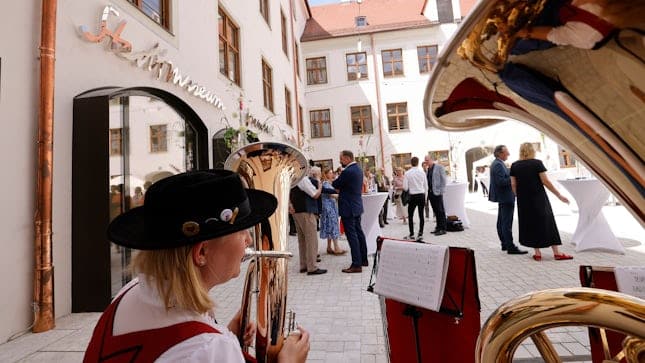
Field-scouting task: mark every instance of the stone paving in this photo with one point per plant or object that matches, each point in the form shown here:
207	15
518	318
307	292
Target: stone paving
345	320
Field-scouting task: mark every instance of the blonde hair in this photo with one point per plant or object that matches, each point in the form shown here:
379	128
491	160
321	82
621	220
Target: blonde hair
175	276
527	151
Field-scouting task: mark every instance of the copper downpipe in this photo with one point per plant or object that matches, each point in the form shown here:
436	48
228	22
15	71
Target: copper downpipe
378	100
43	268
296	71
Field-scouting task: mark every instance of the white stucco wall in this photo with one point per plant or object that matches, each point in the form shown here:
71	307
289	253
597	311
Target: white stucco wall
339	95
192	45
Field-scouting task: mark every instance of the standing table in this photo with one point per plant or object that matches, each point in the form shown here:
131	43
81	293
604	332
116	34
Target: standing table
372	205
454	201
592	231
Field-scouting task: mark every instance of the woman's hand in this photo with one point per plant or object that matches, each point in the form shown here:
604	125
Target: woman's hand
249	331
295	348
563	199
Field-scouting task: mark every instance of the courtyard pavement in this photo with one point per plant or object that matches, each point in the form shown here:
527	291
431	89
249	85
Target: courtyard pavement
345	320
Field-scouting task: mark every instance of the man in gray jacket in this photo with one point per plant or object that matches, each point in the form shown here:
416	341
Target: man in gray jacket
436	175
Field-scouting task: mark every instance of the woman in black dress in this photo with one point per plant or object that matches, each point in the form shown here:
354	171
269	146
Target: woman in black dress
537	224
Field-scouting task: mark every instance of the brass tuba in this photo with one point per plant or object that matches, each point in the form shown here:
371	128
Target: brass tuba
274	168
532	313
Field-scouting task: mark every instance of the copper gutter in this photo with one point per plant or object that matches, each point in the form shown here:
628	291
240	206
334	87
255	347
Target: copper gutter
378	100
44	269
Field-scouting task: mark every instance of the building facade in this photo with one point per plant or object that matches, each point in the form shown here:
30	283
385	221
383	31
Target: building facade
367	68
143	89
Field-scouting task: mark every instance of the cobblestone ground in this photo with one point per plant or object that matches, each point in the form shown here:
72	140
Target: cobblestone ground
345	320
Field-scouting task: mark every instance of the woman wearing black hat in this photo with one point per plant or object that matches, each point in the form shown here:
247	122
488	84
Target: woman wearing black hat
192	230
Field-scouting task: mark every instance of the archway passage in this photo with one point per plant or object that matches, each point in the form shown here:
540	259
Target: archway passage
473	155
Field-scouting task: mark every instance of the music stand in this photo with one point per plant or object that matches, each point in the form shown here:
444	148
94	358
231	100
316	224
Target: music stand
601	277
434	334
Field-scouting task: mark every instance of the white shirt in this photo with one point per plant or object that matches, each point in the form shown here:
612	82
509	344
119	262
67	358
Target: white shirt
142	308
415	181
576	33
308	187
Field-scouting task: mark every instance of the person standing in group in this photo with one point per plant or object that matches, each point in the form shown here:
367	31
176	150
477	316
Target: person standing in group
350	207
537	224
416	183
383	186
397	184
303	205
436	177
502	194
329	228
191	234
424	167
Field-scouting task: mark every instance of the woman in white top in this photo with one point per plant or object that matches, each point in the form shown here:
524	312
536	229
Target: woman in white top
192	230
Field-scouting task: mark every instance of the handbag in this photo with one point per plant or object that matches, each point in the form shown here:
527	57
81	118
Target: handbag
405	197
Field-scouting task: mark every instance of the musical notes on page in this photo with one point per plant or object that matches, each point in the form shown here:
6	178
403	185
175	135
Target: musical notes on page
413	273
631	280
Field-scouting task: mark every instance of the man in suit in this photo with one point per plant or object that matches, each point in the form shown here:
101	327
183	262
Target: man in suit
500	192
436	176
350	208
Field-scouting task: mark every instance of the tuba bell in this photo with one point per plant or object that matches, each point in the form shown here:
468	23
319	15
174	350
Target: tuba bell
274	168
528	315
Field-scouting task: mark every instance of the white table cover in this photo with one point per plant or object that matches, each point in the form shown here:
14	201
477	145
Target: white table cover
454	202
592	231
372	205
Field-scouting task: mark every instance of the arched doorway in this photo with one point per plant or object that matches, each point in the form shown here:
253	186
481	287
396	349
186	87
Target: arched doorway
124	139
473	155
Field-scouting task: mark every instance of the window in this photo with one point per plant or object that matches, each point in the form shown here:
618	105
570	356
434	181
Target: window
283	26
427	55
116	142
267	85
301	123
442	157
397	116
287	104
316	70
366	162
320	123
360	20
356	66
157	10
324	164
264	10
158	139
361	120
401	160
392	62
567	160
229	51
297	49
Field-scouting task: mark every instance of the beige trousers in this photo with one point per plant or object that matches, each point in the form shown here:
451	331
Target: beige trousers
307	240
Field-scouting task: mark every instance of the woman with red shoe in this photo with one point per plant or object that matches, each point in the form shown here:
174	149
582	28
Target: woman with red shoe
535	217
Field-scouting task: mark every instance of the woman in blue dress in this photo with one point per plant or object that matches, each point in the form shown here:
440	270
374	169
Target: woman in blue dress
329	215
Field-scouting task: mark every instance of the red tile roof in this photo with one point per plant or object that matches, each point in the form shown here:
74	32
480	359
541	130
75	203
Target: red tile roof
337	20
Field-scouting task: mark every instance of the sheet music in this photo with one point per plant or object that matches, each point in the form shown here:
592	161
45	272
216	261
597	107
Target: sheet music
631	280
413	273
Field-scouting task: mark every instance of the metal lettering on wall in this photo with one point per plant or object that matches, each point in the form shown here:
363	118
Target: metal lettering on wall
151	60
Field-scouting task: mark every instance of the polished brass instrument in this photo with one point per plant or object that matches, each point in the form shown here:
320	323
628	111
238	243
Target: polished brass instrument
273	168
528	315
504	19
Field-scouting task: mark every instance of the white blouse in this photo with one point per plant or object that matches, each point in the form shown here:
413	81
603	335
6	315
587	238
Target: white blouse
142	309
575	33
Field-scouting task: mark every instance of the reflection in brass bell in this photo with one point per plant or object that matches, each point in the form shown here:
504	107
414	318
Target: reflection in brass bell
190	228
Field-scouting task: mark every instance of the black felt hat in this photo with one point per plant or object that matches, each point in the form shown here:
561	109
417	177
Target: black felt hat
191	207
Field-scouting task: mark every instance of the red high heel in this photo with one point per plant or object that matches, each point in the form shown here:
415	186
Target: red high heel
537	257
563	256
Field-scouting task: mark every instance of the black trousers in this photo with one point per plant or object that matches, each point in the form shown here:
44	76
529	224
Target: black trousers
416	201
382	216
436	202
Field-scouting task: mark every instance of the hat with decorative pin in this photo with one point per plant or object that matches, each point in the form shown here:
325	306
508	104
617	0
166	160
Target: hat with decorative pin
190	207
